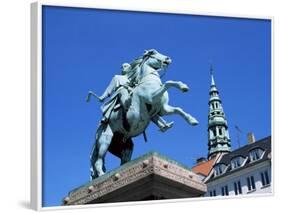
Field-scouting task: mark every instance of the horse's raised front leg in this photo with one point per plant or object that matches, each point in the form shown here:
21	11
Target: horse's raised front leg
100	148
177	84
168	110
168	84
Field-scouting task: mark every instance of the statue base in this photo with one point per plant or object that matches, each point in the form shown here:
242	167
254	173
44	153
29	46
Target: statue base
149	177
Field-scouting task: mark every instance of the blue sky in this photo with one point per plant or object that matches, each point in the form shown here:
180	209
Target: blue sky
84	48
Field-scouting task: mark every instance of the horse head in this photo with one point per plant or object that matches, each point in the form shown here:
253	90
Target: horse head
155	59
151	62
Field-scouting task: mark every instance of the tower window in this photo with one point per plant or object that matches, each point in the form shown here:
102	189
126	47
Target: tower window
214	132
220	131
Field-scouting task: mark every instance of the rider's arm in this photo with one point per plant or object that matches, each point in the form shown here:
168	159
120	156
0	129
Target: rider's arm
110	88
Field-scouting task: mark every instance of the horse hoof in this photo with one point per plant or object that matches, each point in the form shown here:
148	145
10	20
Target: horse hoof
194	122
183	87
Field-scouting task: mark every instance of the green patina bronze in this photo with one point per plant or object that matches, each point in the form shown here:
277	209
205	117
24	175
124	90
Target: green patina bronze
137	96
219	140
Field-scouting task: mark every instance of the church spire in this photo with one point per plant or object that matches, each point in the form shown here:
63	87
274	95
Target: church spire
212	76
218	137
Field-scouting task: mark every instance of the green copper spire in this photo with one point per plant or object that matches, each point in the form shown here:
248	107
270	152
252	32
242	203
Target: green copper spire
212	76
218	137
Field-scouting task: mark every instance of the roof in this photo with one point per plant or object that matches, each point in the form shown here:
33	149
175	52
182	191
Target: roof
264	144
205	167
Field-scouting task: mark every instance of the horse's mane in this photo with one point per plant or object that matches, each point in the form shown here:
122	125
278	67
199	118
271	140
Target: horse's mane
136	62
134	73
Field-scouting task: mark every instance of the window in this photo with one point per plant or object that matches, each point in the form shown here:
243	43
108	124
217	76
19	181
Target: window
237	188
215	133
220	131
251	183
224	190
236	162
265	178
213	193
255	154
219	169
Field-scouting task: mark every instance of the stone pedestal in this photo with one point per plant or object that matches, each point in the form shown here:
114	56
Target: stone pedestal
149	177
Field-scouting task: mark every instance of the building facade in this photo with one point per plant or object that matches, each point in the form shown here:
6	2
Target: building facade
246	170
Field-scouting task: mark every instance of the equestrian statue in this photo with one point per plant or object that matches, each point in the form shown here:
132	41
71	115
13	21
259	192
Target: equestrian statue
137	96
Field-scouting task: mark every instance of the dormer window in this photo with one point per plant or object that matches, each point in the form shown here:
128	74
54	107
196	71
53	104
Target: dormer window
219	169
256	154
236	162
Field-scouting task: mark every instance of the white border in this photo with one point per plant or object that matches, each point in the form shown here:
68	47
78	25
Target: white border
36	93
140	8
36	106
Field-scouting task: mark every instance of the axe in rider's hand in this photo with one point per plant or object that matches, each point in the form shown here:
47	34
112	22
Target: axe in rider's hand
91	93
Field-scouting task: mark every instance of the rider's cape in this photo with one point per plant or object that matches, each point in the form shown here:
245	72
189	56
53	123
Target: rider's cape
111	105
